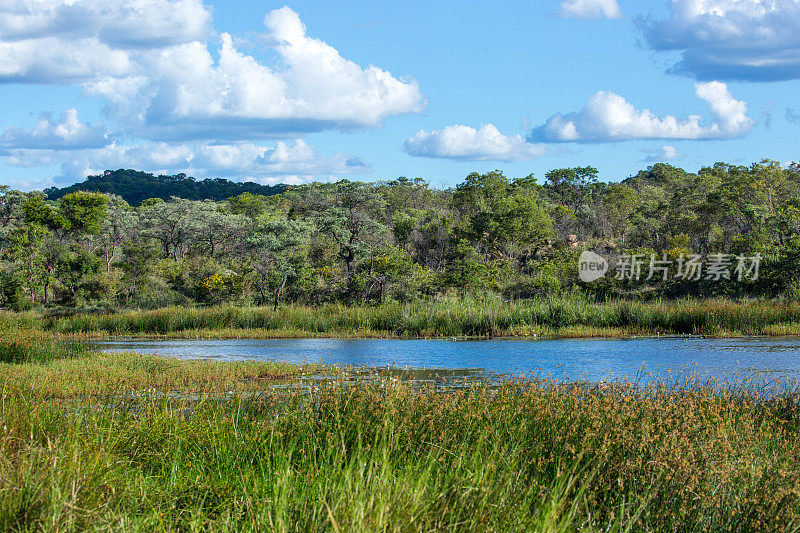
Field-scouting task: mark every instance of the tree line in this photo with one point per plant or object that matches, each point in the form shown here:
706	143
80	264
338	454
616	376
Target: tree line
135	187
399	240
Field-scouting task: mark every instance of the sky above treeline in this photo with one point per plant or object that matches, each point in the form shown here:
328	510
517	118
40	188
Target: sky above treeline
371	90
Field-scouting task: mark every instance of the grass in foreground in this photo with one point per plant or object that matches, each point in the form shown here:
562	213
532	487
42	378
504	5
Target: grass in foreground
567	317
540	456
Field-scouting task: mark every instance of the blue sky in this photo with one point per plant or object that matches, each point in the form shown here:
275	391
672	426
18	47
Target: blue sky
367	90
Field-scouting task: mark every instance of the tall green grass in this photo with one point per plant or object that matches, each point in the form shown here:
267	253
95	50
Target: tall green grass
70	366
32	346
125	441
528	456
571	316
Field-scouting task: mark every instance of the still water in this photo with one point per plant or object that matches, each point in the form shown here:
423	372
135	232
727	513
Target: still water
586	359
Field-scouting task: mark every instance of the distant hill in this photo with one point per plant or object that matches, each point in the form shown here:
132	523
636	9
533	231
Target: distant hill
135	186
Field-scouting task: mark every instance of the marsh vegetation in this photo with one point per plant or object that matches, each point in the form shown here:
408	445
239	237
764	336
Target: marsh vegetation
80	450
568	316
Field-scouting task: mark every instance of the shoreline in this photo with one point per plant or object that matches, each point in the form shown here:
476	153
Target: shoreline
246	334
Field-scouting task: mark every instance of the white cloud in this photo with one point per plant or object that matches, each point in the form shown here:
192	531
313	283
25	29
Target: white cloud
132	23
468	144
296	159
185	98
284	162
608	117
54	60
313	88
150	61
75	41
590	9
757	40
69	133
665	153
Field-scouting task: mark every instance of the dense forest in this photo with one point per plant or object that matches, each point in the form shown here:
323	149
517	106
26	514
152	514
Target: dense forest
396	240
135	187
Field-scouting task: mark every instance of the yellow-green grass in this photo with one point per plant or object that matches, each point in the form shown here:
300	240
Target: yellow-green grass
574	332
569	316
31	346
105	374
69	366
381	456
124	441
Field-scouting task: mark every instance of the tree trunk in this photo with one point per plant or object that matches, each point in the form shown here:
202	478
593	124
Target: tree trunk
278	293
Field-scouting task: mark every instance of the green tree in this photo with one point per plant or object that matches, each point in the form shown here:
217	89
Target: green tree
170	223
501	217
39	211
618	202
83	212
279	250
250	205
465	269
73	269
571	187
137	264
27	247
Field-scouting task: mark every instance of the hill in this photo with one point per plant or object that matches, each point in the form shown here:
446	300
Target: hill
135	186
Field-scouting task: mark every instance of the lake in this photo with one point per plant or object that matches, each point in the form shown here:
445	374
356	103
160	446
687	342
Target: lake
584	359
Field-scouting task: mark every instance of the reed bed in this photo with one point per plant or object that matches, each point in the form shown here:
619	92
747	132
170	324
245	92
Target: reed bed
34	346
526	455
567	316
70	366
124	441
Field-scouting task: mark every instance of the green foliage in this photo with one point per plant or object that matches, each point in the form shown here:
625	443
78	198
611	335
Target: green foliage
250	205
135	187
38	211
83	212
74	268
571	187
137	263
354	242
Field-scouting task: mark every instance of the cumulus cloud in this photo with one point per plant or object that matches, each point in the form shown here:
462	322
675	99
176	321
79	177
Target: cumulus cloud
137	23
665	153
60	41
160	77
152	63
757	40
66	134
590	9
468	144
239	98
293	162
296	159
54	60
185	97
608	117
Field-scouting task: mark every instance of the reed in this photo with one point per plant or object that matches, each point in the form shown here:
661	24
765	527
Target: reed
527	455
34	346
445	317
